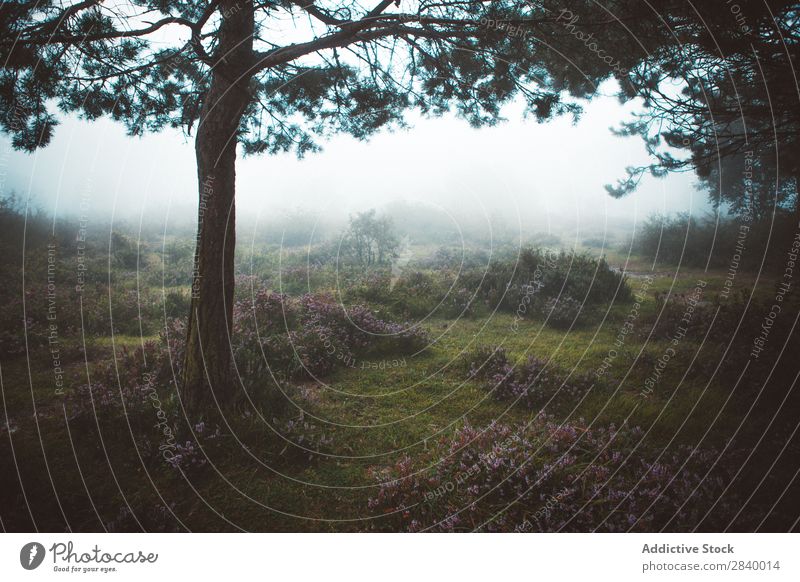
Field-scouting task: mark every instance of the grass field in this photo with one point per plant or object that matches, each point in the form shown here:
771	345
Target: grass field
307	459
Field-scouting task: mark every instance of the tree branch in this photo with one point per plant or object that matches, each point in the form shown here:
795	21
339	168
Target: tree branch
43	38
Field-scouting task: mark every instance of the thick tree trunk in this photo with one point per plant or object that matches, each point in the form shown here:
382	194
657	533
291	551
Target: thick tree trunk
207	381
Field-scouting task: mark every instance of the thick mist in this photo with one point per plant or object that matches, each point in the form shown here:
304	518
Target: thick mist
523	177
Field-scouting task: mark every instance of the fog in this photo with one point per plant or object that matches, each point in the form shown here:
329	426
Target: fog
531	176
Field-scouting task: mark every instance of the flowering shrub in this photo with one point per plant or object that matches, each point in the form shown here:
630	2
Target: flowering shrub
139	391
310	336
417	283
547	477
359	328
307	352
262	312
121	384
372	286
416	294
300	278
143	396
485	362
539	274
533	384
459	303
273	335
262	344
522	382
562	312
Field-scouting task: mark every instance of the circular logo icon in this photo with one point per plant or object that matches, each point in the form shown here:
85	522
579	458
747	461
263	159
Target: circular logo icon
31	555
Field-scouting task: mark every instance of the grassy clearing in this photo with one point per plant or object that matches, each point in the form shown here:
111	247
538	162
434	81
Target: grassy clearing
370	413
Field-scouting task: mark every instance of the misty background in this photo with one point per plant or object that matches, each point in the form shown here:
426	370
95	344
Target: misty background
520	176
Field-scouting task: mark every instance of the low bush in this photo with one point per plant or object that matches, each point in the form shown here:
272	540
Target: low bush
562	312
415	294
459	303
290	338
533	384
484	362
546	476
137	390
524	285
536	385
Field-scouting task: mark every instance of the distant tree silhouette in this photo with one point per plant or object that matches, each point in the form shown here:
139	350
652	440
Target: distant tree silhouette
370	240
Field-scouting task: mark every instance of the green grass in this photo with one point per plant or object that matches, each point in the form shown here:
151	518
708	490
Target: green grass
372	416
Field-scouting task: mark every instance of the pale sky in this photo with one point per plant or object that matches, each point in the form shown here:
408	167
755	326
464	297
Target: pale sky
522	169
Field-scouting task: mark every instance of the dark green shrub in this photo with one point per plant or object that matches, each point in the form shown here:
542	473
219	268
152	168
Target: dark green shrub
537	275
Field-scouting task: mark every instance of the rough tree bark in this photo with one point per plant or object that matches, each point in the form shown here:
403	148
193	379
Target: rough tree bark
207	381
